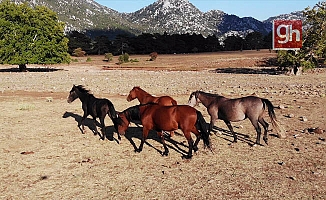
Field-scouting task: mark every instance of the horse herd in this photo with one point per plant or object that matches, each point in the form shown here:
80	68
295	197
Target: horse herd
163	114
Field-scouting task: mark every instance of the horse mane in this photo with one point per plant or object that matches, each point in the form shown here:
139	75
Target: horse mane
138	87
132	113
82	89
209	94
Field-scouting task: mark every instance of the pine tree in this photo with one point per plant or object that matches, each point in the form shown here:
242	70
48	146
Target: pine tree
31	36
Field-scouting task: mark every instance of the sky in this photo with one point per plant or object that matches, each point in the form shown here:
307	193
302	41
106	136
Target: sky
259	9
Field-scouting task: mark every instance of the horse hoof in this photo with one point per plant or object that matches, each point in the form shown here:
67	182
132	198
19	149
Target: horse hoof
195	149
138	150
187	157
165	153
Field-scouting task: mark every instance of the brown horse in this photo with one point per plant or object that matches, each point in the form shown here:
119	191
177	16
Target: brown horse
145	98
233	110
170	118
97	108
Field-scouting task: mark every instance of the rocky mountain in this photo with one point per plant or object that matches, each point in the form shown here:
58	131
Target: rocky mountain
82	15
163	16
181	16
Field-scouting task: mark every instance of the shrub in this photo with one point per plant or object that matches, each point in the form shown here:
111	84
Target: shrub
286	59
88	59
123	58
79	52
134	60
108	56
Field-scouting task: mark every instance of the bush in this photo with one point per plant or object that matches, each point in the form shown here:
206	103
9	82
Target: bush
88	59
286	59
79	52
134	60
123	58
108	56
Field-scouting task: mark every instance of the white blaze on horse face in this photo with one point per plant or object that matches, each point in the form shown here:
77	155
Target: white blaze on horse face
192	102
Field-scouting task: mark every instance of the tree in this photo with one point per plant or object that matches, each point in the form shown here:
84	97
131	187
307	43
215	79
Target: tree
233	43
79	40
254	40
101	45
314	40
31	36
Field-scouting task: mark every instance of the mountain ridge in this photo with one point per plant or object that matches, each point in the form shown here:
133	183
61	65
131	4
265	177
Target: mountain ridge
162	16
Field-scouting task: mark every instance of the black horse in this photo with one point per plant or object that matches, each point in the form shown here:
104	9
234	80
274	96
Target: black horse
97	108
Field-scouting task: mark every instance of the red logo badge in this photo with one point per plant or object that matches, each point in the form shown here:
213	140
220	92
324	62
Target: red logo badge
287	34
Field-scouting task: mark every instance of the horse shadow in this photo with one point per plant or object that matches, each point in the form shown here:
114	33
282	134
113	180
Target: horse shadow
88	123
133	133
226	134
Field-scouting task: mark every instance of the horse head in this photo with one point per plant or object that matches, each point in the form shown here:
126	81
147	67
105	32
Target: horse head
193	99
121	123
133	94
72	94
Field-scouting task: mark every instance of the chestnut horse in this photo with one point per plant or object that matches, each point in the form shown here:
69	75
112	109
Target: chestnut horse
145	98
170	118
233	110
97	108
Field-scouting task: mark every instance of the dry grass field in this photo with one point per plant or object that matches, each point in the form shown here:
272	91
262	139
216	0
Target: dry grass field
44	155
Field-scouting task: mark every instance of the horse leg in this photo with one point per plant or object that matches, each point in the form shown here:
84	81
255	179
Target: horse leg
265	125
258	130
145	134
166	150
103	128
228	123
94	123
195	147
211	125
171	133
82	123
191	145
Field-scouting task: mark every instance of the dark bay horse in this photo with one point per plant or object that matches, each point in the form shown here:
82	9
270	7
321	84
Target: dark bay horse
169	118
145	98
233	110
97	108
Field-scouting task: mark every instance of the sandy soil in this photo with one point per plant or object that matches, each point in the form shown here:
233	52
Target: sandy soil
45	156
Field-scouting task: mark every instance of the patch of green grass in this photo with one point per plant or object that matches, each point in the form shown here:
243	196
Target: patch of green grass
26	107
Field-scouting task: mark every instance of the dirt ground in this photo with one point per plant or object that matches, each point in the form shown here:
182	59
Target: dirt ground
45	156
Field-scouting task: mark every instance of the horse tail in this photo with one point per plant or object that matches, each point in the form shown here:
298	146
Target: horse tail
272	116
201	124
112	113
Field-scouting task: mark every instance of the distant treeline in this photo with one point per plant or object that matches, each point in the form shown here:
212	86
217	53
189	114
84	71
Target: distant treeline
165	44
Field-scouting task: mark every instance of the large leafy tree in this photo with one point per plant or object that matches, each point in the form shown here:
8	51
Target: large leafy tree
31	36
